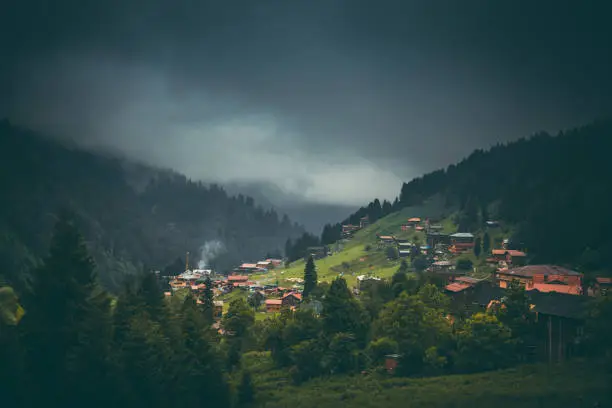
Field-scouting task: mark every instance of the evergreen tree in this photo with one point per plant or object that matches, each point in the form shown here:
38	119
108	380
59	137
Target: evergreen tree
208	302
58	310
151	295
486	244
310	277
477	246
343	313
246	391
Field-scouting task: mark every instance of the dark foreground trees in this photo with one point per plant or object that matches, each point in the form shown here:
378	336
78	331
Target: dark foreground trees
76	346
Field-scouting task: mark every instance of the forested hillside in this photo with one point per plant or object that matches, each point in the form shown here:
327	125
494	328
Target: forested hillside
131	215
556	190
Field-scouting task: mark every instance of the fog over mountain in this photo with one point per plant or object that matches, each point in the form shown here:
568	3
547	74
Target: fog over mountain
333	102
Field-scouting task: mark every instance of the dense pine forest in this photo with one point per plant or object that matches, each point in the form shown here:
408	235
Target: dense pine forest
132	216
555	190
65	341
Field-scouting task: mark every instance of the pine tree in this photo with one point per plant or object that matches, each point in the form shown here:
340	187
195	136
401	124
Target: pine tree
310	277
486	243
208	303
58	309
477	246
152	296
246	391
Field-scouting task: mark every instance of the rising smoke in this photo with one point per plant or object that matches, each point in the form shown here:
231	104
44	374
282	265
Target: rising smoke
209	251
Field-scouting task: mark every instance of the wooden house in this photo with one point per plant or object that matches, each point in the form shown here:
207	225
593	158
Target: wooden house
317	252
543	278
461	242
248	267
273	305
291	299
509	256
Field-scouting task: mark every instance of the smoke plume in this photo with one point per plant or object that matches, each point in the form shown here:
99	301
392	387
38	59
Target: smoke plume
209	251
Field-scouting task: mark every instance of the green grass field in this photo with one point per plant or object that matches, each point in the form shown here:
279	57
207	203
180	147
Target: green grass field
353	259
575	384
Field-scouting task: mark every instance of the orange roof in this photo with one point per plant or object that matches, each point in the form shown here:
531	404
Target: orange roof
237	278
248	265
510	252
551	287
168	293
415	219
386	237
419	228
297	295
274	302
457	287
604	280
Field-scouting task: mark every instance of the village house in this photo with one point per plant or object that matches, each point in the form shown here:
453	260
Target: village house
247	267
461	242
265	265
386	239
509	256
543	278
238	281
273	305
414	221
561	320
291	299
492	224
275	262
445	270
317	252
348	230
364	222
434	238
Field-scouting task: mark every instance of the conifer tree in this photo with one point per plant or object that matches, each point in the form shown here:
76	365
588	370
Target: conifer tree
486	243
208	302
310	277
58	309
246	392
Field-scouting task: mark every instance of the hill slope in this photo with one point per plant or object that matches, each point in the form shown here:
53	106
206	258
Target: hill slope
527	386
131	215
555	190
360	254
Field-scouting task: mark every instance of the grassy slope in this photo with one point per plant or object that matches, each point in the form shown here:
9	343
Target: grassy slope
576	384
353	252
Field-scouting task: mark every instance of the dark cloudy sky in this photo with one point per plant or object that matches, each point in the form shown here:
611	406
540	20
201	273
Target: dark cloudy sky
337	101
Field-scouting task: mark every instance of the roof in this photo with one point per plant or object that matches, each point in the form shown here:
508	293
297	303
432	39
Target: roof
264	262
531	270
467	279
296	295
235	278
510	252
462	235
386	237
415	219
559	288
604	281
248	265
457	287
559	304
419	228
274	302
218	303
443	263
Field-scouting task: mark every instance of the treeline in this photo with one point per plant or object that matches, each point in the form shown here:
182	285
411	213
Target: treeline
411	319
77	346
556	191
296	249
132	216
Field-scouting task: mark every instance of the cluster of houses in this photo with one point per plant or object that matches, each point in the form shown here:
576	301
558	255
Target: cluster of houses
259	266
349	229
